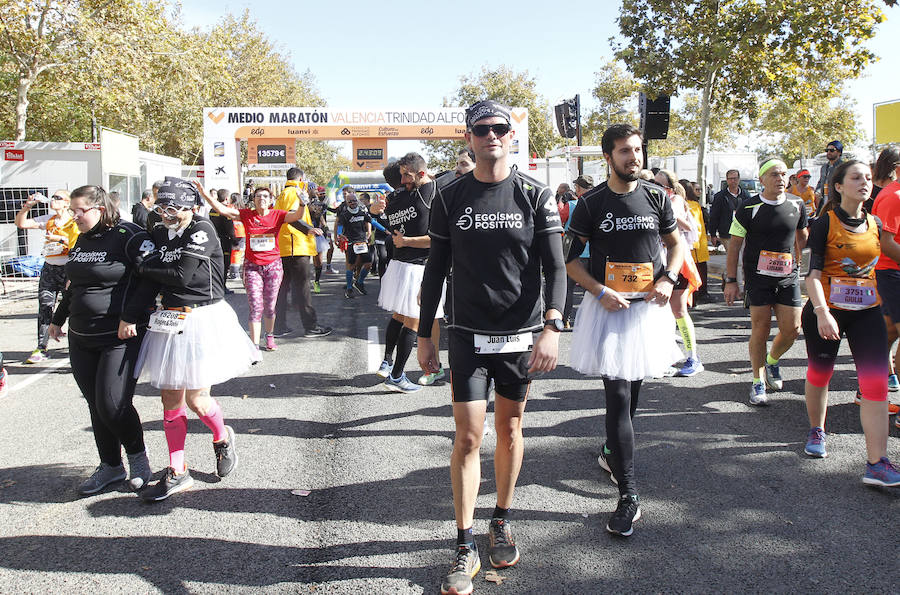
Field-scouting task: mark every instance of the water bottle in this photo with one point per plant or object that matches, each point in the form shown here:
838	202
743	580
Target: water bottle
40	198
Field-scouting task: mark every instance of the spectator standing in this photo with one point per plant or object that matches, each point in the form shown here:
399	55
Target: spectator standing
833	153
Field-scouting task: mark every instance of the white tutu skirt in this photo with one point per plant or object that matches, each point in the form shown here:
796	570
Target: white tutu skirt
630	344
400	289
321	244
212	349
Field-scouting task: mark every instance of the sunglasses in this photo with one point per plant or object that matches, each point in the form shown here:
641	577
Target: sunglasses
830	150
170	212
499	130
57	197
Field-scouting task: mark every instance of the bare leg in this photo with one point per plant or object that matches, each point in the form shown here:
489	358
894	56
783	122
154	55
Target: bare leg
465	462
510	447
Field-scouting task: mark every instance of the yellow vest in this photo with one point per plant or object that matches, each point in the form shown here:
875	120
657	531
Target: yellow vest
292	241
700	250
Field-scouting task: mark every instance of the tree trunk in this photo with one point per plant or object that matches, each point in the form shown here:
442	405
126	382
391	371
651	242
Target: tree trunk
25	82
705	101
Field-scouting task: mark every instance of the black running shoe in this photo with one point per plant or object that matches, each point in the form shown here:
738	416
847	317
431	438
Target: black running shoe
349	294
282	332
168	485
459	580
360	288
503	551
318	331
627	512
226	456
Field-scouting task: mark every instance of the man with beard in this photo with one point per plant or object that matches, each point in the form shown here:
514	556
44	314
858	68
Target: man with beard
499	230
627	285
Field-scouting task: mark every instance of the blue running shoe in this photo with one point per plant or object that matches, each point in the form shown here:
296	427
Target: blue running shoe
773	377
758	394
893	383
882	473
815	443
401	385
384	370
691	367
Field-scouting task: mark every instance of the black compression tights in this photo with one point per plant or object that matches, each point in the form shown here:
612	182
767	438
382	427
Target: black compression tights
621	404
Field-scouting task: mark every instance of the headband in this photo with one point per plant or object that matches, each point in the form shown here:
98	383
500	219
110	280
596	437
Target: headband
769	165
486	109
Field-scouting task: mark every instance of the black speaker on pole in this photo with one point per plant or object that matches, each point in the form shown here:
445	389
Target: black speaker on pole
654	116
566	118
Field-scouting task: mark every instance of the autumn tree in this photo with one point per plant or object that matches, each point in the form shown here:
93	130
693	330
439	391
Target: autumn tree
735	53
502	84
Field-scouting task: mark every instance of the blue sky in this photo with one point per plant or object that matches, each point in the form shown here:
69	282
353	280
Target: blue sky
408	55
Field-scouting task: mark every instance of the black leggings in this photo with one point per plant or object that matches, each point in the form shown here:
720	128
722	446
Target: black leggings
50	285
296	276
621	404
103	367
381	258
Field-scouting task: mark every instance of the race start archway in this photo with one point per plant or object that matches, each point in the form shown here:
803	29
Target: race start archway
271	133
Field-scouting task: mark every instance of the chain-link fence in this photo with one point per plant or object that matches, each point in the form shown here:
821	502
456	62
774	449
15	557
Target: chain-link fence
20	250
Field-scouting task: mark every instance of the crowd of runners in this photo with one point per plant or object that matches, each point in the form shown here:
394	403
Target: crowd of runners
493	256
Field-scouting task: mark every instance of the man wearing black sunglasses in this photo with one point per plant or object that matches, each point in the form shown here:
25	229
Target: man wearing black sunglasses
498	229
833	153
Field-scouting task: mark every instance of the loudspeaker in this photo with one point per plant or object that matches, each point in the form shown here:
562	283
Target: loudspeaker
654	116
566	118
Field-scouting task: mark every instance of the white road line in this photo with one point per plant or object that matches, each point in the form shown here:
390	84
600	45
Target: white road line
374	350
35	377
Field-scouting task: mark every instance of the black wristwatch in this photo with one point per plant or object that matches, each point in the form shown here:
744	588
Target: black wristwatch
673	277
556	324
730	280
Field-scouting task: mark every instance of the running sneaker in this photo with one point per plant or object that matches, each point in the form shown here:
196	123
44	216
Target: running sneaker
815	443
459	580
773	377
892	408
692	366
384	370
4	383
270	343
318	331
627	513
503	551
758	394
893	383
316	287
139	470
349	294
103	476
282	332
226	455
603	461
360	288
882	473
37	356
401	385
429	379
331	269
171	483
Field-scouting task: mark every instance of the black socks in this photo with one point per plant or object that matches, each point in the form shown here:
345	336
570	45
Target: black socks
404	348
391	335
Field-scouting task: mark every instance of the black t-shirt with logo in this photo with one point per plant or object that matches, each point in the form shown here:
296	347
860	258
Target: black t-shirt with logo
772	228
193	256
407	213
491	229
624	227
354	224
103	284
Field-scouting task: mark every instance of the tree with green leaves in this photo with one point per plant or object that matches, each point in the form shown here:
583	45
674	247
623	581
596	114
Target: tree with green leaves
735	53
502	84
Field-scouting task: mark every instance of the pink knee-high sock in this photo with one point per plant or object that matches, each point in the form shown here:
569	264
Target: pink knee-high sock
175	425
214	421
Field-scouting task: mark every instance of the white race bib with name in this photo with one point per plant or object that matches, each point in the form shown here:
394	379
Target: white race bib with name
170	322
486	344
360	248
262	243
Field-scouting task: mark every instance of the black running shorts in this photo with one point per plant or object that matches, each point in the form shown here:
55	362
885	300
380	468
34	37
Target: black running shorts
471	373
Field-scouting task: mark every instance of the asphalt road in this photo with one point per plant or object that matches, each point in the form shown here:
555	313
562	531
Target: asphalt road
730	502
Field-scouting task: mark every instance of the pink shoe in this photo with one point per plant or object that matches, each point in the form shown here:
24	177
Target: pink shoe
4	384
270	343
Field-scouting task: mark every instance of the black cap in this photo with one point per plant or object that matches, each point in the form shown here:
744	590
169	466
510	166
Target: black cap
178	193
584	181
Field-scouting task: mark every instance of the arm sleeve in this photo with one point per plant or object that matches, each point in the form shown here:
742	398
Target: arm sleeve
377	225
818	236
438	228
550	246
432	283
301	226
137	249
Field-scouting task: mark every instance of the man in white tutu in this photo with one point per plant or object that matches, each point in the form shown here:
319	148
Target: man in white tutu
407	215
499	230
622	327
195	339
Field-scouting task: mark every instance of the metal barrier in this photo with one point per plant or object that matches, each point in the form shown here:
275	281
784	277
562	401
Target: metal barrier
20	250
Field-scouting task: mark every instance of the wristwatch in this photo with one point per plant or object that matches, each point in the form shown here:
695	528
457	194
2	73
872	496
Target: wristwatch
556	324
673	277
730	280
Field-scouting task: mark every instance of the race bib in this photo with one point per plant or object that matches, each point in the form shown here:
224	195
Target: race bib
262	242
775	264
632	280
170	322
487	344
54	249
360	248
850	293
